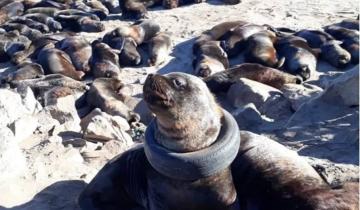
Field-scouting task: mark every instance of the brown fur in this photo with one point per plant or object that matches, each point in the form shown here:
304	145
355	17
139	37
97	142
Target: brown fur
104	94
223	80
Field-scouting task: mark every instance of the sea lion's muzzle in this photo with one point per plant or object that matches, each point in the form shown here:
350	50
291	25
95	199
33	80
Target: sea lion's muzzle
157	91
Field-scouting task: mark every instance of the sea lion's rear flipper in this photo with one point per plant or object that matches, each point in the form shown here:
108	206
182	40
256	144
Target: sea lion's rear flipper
119	185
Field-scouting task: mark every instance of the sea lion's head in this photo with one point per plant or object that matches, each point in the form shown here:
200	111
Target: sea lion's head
335	54
187	115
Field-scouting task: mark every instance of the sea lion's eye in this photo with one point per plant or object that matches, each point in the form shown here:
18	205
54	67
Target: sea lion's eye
178	83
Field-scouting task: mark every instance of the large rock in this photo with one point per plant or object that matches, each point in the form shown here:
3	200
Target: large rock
24	127
249	118
63	109
336	101
299	94
28	98
344	90
11	107
99	126
12	161
267	100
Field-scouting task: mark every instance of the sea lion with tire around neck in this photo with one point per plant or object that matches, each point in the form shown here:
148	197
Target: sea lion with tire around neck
179	167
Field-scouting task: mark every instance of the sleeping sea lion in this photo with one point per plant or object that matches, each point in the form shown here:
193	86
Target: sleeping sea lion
221	81
105	94
260	49
49	21
159	49
350	39
55	61
79	50
300	59
104	61
209	59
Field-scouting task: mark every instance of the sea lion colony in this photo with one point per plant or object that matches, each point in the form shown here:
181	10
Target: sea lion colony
40	38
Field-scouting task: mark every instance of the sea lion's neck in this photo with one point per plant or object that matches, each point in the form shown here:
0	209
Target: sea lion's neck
188	134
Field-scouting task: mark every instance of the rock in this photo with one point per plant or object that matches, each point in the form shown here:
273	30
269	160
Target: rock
344	89
28	98
267	100
114	148
249	118
24	127
12	161
11	110
140	107
45	121
77	142
119	121
336	101
247	91
299	94
64	111
99	126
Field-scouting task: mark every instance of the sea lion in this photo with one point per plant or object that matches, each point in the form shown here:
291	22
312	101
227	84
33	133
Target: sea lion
260	49
49	21
217	32
209	59
314	38
98	5
159	49
10	9
112	5
104	61
104	94
234	39
300	59
141	31
129	55
334	54
50	3
55	61
10	43
36	45
75	12
49	11
349	24
80	23
331	51
31	24
79	51
193	158
221	81
25	71
350	39
24	30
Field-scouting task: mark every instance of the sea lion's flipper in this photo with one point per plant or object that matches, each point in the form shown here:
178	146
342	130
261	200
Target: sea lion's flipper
119	185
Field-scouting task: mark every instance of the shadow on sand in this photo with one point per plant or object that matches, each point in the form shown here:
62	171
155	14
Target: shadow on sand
61	195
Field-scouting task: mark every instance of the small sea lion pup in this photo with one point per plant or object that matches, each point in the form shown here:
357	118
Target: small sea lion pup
55	61
209	58
194	158
104	61
350	39
221	81
105	94
260	49
300	59
331	51
159	49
